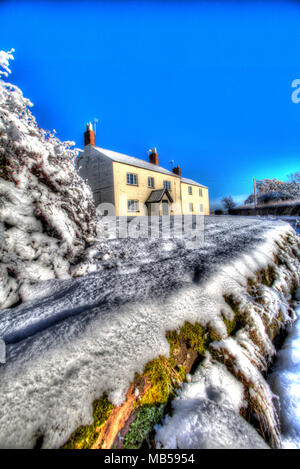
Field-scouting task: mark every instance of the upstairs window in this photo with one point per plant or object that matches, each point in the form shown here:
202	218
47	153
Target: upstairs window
150	182
190	190
132	179
133	205
191	207
200	192
167	185
201	208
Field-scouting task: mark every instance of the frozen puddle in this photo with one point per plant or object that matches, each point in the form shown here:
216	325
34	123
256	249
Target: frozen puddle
285	383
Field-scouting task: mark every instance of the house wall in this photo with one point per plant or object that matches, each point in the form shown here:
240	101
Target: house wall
98	170
124	192
195	199
107	180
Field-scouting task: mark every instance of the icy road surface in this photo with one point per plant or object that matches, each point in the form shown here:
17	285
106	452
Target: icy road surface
89	335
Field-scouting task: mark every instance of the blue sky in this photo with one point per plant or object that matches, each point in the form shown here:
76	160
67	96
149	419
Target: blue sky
207	83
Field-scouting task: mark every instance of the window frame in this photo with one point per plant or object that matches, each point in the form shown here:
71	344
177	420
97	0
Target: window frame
191	205
135	206
190	190
134	178
152	179
200	192
167	183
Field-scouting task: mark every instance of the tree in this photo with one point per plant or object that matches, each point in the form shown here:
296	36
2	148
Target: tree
274	190
228	203
294	177
249	200
46	209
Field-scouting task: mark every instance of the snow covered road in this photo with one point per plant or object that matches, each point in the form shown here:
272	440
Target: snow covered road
89	335
151	269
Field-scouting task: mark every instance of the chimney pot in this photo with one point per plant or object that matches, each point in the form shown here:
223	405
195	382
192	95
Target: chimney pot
153	157
177	170
89	135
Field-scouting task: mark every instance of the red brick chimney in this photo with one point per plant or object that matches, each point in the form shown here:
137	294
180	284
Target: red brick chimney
89	135
177	170
153	157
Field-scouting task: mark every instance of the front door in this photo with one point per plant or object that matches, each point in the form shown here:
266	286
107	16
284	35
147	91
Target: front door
165	207
152	209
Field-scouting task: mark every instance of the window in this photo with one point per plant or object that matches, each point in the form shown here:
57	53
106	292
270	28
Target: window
190	190
200	192
132	179
150	182
133	205
167	185
191	207
201	208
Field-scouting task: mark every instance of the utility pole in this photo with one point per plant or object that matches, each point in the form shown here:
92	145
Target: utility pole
255	199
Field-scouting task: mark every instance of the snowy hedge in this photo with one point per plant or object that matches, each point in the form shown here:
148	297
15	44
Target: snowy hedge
46	209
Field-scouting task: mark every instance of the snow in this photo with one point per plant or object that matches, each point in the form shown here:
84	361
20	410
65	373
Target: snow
5	57
285	383
206	414
204	424
46	209
91	334
213	381
293	220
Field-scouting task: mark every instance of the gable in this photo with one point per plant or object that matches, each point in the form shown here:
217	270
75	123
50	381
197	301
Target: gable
158	195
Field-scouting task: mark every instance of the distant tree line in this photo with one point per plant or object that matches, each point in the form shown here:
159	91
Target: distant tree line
269	191
274	190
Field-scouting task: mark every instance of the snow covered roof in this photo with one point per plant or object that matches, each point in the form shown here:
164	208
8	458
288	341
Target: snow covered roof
157	195
131	160
194	183
121	158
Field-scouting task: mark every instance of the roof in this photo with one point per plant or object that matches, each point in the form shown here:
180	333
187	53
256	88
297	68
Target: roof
193	183
157	195
139	163
121	158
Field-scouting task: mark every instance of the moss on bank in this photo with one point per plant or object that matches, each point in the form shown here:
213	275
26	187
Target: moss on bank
86	435
193	335
165	374
265	276
237	322
147	417
163	378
